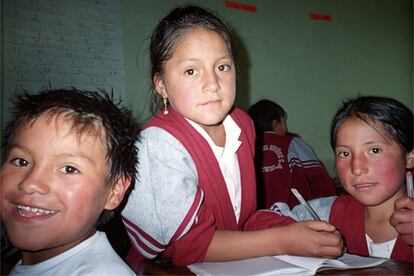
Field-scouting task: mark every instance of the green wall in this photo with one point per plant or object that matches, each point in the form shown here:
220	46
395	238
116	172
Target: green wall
307	66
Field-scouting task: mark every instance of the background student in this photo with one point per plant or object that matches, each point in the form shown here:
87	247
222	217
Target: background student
284	160
70	162
196	191
372	138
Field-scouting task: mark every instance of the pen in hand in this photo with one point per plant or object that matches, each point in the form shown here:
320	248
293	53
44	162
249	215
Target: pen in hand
305	204
409	183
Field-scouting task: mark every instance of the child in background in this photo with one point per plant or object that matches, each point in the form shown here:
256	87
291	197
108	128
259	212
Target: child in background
285	161
70	162
196	191
372	138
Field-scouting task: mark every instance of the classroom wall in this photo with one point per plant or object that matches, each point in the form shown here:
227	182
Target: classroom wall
308	66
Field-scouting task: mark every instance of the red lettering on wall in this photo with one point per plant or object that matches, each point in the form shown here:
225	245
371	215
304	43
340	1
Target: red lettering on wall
240	6
321	17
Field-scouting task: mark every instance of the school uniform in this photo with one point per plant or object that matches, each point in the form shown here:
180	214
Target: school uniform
347	214
288	162
182	197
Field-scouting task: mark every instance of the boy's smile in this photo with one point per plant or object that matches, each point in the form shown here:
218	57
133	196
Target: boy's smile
27	211
27	214
53	187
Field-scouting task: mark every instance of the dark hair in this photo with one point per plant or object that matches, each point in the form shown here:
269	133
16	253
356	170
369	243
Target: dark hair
263	113
169	30
90	112
396	118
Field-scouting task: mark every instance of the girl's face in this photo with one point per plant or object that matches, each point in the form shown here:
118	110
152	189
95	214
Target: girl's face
199	78
370	164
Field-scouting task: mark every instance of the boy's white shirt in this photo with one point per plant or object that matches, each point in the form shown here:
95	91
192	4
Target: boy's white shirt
227	159
322	207
93	256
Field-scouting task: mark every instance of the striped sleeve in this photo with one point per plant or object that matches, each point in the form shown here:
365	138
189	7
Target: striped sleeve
164	204
300	154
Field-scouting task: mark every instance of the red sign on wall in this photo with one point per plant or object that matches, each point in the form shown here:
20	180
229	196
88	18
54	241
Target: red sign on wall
240	6
321	17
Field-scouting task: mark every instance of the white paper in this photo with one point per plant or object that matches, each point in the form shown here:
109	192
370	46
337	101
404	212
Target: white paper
255	266
283	264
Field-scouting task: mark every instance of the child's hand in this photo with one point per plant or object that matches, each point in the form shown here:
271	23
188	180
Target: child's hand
315	239
403	218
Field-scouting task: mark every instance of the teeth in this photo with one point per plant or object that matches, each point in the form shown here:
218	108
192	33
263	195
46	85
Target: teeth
38	211
363	185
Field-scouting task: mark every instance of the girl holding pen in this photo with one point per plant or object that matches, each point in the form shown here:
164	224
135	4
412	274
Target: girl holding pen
372	138
196	196
403	217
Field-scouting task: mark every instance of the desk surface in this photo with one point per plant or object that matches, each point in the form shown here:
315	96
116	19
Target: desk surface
390	267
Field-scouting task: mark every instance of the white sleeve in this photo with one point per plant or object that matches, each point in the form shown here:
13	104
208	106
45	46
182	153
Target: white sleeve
165	193
301	154
322	207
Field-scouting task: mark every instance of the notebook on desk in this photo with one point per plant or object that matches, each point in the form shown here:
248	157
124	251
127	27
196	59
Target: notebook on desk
283	264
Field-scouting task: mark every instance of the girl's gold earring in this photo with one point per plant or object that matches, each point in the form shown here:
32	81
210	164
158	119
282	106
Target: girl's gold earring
165	101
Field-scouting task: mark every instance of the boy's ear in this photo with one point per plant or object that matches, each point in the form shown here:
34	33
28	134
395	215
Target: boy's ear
117	192
160	86
410	160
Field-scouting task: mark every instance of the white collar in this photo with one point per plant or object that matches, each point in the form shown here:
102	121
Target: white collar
232	135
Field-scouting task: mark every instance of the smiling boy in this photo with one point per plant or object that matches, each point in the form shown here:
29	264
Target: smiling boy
70	161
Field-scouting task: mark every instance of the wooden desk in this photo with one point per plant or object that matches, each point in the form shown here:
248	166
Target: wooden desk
390	267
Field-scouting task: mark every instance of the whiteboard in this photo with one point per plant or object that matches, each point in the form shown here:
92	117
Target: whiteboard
62	44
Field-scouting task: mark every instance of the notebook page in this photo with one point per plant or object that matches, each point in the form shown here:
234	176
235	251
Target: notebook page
311	264
263	266
356	261
347	261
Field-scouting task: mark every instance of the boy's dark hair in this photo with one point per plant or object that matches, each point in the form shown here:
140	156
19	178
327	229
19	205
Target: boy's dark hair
90	112
396	118
170	29
263	113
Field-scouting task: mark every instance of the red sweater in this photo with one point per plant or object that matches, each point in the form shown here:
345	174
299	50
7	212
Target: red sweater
216	211
347	214
288	162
